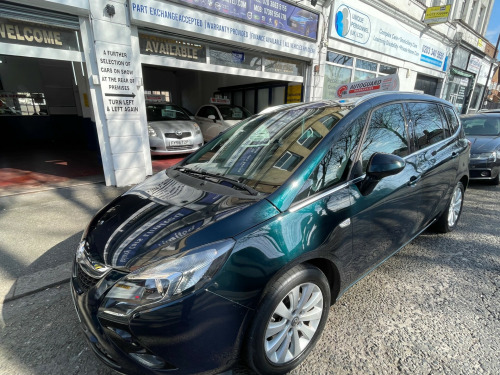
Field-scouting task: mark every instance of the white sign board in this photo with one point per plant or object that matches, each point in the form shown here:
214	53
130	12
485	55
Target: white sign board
176	17
117	80
355	22
367	86
474	64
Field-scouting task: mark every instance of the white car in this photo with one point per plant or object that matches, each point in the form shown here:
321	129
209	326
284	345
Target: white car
216	118
171	130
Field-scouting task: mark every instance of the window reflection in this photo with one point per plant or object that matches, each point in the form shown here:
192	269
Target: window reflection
386	133
427	124
336	163
265	150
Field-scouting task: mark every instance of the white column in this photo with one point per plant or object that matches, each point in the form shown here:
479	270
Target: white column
115	78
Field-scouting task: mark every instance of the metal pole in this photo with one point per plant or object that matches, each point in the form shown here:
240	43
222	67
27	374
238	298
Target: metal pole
486	89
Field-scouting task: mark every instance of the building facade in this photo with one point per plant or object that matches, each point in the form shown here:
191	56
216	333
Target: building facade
83	67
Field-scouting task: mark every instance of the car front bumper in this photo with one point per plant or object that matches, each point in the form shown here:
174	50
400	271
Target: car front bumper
162	145
200	333
483	170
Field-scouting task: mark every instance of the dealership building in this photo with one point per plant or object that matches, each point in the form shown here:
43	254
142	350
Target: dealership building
74	73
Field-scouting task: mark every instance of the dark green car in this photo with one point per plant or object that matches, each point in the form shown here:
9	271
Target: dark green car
240	249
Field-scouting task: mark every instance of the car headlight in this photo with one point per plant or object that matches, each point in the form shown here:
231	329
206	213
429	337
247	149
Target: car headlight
490	156
151	131
166	279
197	129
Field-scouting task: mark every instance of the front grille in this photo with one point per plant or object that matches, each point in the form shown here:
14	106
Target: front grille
85	281
178	136
179	148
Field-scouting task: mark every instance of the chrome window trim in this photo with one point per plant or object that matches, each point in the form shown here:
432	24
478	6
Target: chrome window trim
307	201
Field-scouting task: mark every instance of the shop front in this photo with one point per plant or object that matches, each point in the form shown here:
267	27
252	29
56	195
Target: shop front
45	109
366	42
255	54
249	53
467	80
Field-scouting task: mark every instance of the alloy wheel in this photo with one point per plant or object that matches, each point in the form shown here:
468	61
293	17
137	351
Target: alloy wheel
293	323
455	207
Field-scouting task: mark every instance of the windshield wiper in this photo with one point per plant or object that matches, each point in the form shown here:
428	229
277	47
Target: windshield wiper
204	175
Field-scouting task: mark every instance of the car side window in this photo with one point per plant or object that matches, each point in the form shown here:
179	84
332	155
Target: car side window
207	111
451	116
427	124
386	133
336	163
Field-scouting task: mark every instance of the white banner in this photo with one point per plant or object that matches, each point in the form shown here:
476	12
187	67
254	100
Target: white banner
377	31
367	86
176	17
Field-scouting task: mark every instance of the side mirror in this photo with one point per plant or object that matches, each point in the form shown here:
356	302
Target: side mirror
379	166
212	117
383	165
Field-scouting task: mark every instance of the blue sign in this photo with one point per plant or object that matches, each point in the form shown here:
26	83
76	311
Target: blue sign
275	14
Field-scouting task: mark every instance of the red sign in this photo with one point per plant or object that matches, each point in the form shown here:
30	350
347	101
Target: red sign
220	101
360	88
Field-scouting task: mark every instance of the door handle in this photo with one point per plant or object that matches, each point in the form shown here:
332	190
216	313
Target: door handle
454	155
414	180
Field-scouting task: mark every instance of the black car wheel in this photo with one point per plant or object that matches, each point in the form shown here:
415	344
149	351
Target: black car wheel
289	321
449	218
496	180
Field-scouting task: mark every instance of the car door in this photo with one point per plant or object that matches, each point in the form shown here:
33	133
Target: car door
321	210
436	154
384	219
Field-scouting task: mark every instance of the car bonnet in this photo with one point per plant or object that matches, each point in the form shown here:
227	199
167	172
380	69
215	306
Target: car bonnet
162	217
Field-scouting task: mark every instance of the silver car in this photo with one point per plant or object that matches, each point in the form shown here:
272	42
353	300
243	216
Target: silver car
216	118
171	130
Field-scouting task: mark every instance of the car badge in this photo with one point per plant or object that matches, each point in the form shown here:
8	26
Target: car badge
178	133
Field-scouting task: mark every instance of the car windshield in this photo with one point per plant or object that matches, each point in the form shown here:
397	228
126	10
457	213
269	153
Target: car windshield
233	112
165	112
481	125
263	151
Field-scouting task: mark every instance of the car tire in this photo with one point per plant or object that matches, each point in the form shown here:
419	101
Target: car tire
281	337
450	216
496	180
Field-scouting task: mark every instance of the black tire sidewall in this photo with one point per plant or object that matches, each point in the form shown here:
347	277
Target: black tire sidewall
256	355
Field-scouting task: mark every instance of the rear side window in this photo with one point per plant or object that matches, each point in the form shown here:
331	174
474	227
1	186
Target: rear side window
386	133
427	124
452	119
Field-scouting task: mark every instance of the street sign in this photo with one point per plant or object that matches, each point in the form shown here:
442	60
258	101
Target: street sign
437	14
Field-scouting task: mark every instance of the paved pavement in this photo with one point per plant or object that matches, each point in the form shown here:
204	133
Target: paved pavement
432	309
39	233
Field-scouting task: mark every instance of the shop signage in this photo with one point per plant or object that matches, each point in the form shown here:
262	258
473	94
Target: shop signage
482	77
117	78
474	64
374	30
180	49
367	86
177	17
275	14
294	94
437	14
282	66
36	35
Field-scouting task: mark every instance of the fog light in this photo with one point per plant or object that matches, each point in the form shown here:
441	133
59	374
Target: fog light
148	360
